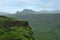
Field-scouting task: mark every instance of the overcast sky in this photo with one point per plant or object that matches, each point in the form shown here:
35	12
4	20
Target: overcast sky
38	5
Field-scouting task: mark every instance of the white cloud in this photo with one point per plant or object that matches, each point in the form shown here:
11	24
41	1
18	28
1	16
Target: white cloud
14	5
49	5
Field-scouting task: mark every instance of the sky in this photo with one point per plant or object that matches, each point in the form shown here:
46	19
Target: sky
37	5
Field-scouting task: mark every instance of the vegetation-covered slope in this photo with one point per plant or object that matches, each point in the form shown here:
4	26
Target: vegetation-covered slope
45	26
11	29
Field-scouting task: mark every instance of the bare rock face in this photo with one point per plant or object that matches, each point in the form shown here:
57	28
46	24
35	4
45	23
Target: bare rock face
16	23
12	22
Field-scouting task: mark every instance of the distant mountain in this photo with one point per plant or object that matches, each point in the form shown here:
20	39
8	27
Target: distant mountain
29	11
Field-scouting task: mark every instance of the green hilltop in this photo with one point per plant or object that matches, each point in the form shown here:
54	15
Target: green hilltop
12	29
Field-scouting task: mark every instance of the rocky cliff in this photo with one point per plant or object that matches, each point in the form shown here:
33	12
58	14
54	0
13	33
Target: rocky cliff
12	29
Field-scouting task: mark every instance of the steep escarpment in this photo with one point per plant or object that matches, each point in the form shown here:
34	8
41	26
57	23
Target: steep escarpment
12	29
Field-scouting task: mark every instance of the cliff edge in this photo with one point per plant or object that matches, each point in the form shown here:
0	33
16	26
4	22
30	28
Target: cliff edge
12	29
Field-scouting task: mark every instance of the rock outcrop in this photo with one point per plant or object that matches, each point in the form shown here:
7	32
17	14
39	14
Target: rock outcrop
12	29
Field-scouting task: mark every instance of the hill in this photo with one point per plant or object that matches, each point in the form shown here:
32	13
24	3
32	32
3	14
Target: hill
46	26
12	29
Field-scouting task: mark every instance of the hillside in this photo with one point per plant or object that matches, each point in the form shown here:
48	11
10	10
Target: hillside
12	29
45	26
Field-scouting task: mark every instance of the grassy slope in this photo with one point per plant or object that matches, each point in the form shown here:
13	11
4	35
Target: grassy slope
14	32
45	27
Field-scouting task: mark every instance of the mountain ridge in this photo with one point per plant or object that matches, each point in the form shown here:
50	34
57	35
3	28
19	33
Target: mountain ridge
30	11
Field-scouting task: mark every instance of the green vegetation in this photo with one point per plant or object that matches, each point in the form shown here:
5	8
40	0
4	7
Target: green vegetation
11	30
45	26
15	33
